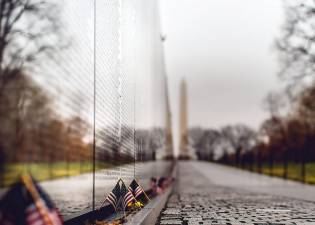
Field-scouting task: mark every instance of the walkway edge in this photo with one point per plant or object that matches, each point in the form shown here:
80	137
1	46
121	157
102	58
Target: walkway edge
150	213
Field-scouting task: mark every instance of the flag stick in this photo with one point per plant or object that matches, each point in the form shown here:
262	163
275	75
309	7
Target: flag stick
26	179
124	212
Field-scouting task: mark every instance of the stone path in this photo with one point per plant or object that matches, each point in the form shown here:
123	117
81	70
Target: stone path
197	200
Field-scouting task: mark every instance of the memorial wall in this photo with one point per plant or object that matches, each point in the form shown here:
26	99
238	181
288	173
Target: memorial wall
83	98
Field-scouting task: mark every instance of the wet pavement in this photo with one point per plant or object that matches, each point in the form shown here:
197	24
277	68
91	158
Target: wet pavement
198	199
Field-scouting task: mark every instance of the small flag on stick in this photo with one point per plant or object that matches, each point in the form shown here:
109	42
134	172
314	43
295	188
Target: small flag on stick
27	203
138	192
114	196
127	196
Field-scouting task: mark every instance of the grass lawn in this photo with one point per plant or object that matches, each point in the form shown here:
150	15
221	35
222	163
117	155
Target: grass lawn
294	171
47	171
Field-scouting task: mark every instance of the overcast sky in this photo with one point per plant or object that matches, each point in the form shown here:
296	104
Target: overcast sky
224	49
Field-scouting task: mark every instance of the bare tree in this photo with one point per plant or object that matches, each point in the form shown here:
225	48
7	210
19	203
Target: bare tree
297	41
274	103
195	135
209	142
240	138
28	29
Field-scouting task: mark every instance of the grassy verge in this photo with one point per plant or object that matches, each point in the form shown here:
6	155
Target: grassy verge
294	171
46	171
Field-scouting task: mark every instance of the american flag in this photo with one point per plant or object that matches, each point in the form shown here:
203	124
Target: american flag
114	196
40	214
19	207
126	195
135	189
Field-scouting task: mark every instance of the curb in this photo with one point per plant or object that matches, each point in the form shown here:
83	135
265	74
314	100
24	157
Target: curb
150	213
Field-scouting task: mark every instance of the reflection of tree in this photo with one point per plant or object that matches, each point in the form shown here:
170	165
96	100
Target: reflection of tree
110	147
149	142
157	140
64	141
28	29
113	149
142	139
30	130
24	106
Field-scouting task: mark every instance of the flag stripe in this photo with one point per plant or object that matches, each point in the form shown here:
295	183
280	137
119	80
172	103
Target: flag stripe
128	198
112	200
113	196
135	188
138	191
34	217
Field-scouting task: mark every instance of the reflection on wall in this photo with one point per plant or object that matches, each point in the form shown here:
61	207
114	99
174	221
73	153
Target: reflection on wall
81	79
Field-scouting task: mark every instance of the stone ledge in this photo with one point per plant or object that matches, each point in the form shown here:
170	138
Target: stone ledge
149	214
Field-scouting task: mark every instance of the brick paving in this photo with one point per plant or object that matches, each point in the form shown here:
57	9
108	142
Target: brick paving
196	200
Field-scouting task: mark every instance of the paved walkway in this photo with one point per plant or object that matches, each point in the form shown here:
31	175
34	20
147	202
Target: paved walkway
212	194
237	178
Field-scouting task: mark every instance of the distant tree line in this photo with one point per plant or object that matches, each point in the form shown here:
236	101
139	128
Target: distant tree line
228	144
280	138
